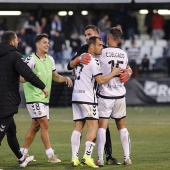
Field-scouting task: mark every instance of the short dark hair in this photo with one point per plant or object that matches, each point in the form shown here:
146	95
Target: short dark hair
8	36
116	32
92	40
94	28
39	37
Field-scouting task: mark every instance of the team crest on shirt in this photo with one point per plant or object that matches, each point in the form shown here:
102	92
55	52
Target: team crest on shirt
39	112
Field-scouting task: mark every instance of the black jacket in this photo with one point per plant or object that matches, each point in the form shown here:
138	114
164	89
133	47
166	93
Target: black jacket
81	50
11	67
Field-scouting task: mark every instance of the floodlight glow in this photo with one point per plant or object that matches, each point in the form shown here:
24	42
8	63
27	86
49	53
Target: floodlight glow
70	13
84	12
62	13
143	11
164	12
5	13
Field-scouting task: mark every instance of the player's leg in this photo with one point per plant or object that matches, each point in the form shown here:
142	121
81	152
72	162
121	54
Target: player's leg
12	139
92	126
4	124
125	140
76	134
101	139
14	144
110	160
75	141
34	109
46	140
91	115
35	126
105	109
120	114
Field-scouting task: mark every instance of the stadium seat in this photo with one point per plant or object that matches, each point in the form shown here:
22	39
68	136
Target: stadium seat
157	52
145	50
138	42
144	37
149	43
161	43
127	43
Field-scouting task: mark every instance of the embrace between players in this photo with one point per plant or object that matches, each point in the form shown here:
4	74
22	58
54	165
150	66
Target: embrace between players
98	94
94	104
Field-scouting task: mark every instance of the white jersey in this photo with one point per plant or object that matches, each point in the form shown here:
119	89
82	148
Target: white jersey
31	62
85	85
113	88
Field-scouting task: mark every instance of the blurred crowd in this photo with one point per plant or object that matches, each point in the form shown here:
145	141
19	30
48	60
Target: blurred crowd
66	32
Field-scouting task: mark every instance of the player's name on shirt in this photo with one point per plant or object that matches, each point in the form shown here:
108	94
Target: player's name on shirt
116	55
113	86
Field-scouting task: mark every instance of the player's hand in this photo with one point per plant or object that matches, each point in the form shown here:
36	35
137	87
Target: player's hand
116	71
69	82
125	76
45	92
84	59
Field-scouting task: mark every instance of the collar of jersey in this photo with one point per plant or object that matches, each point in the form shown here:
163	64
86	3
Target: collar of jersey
40	58
112	47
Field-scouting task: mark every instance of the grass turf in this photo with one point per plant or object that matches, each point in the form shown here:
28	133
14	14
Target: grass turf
148	128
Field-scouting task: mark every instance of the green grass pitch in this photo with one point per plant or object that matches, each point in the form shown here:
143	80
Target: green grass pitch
149	129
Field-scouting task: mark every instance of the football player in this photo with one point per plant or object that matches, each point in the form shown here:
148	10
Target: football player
89	31
84	101
111	96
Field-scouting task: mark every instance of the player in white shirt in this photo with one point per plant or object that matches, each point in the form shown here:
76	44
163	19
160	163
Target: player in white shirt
84	101
111	101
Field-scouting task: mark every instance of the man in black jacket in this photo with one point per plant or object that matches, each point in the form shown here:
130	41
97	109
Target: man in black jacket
11	67
89	31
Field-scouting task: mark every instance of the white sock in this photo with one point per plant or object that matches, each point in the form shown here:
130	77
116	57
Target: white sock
49	152
101	140
89	148
75	143
125	140
24	151
22	158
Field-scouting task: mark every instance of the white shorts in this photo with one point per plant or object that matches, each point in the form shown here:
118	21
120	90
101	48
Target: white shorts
38	110
85	111
114	108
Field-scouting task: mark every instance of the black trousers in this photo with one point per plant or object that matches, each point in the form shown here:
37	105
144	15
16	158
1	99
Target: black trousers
7	126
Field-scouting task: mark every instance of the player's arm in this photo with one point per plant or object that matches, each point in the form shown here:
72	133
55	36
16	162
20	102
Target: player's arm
60	79
83	59
103	79
72	64
76	59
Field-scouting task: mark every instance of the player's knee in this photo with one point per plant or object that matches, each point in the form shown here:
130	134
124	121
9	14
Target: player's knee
37	128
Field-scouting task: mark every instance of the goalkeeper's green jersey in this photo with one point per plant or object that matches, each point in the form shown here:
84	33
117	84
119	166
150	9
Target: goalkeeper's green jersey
43	69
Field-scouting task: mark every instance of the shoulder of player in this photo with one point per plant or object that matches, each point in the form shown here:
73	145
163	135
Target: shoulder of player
113	49
29	57
94	60
50	57
83	48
